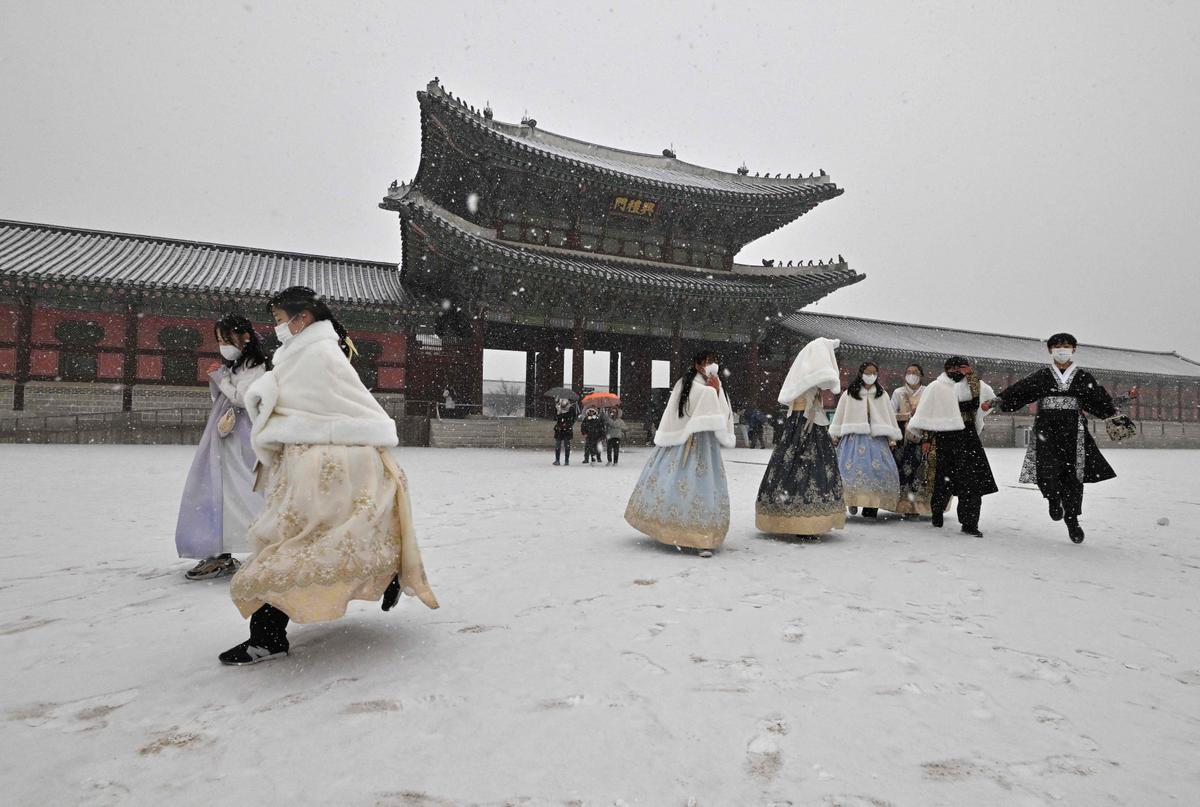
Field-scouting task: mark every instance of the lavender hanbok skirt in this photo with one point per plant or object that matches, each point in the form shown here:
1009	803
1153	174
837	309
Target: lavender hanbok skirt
682	496
869	474
218	501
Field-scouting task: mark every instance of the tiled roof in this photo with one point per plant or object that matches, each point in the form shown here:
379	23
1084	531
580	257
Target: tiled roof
43	253
742	283
654	169
905	340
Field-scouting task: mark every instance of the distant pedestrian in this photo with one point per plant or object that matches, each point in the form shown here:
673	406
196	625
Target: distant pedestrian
755	421
565	413
592	429
614	431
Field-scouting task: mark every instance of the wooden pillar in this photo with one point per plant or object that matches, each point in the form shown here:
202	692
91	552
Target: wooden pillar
1179	402
532	387
614	372
129	356
24	346
476	371
676	353
577	357
753	380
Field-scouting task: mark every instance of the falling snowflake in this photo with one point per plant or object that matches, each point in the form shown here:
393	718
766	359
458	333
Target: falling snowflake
473	202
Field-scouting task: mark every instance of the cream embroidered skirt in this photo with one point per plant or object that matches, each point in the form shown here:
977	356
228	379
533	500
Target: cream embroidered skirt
337	527
682	497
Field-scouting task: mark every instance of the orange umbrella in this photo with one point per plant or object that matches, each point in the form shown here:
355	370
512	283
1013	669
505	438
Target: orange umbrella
601	400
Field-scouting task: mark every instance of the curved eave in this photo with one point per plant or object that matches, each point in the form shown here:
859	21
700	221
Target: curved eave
658	279
780	193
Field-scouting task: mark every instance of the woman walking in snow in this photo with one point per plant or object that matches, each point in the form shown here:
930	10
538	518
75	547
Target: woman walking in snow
682	496
865	431
218	502
337	524
801	491
911	454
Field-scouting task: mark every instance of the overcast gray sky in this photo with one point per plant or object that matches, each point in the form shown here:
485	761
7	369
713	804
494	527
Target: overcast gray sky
1020	167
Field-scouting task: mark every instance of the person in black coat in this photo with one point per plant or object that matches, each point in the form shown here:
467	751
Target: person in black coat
950	414
592	428
1062	456
565	413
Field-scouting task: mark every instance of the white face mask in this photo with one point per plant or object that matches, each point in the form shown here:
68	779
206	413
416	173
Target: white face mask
230	352
283	331
912	379
1062	355
869	379
711	369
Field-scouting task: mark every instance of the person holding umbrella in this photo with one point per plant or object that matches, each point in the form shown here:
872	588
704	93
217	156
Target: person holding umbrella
592	428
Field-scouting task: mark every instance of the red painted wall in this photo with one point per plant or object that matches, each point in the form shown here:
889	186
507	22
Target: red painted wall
8	323
45	320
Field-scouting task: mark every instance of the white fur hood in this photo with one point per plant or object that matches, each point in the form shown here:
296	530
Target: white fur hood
815	367
868	415
938	410
313	395
706	411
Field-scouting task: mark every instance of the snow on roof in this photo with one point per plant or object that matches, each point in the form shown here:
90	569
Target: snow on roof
52	253
905	339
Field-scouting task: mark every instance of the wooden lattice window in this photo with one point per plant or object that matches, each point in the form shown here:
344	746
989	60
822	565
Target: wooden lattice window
77	359
367	362
179	363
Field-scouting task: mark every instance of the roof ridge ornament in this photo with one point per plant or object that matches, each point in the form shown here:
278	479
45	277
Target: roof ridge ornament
742	169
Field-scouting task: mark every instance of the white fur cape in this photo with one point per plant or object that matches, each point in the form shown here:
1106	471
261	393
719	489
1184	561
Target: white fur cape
815	367
868	415
706	411
314	396
938	410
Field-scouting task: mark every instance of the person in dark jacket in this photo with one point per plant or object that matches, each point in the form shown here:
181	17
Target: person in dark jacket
592	429
1062	456
565	413
950	414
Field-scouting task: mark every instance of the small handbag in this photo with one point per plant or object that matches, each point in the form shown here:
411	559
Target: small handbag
226	422
1120	427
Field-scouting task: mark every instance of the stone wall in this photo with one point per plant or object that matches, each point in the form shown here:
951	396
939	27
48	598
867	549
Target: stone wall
1007	431
153	396
68	398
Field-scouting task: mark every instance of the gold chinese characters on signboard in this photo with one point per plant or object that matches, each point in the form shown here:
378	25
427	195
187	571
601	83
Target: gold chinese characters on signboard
634	207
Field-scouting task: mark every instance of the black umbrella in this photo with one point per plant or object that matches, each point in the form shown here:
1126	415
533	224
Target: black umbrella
561	392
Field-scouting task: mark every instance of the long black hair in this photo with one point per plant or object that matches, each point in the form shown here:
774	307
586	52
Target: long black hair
855	388
297	299
233	326
689	375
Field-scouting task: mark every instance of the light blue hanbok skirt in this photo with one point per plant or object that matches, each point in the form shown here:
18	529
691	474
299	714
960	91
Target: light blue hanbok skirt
682	496
869	474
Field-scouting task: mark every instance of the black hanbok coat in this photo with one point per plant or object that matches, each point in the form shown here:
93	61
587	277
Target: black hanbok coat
1060	434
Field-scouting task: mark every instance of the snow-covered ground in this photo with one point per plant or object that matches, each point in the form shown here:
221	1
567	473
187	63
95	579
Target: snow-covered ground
574	661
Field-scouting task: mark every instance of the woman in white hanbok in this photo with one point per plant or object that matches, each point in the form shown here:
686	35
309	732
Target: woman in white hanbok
337	524
682	496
